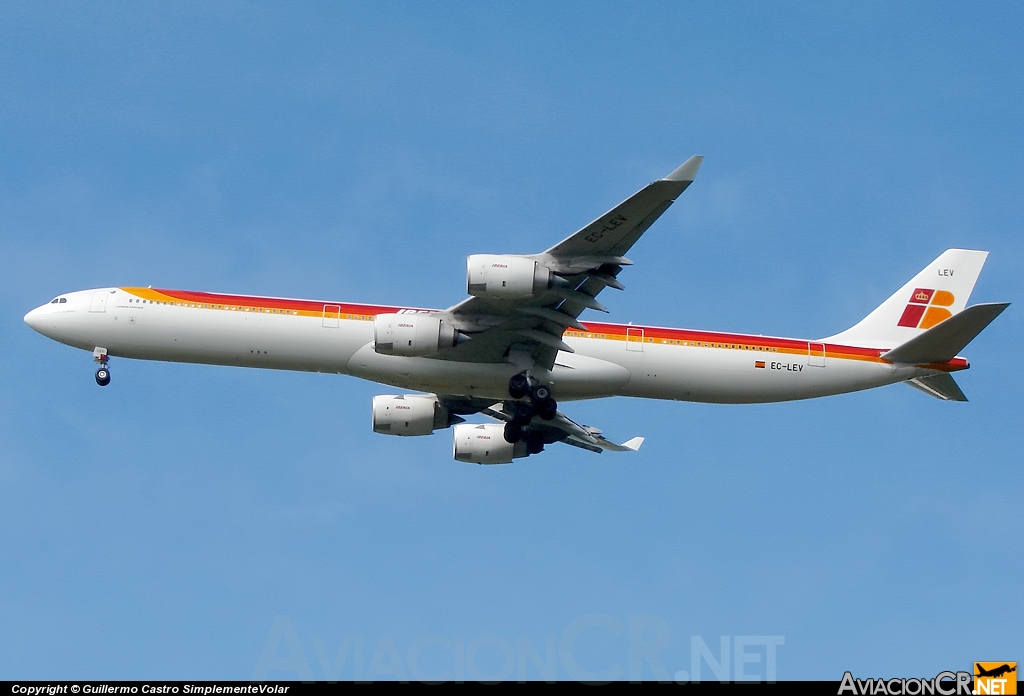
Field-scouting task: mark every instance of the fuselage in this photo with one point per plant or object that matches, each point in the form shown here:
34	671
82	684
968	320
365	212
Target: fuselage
338	337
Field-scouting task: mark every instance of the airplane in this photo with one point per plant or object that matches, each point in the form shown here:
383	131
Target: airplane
995	672
517	343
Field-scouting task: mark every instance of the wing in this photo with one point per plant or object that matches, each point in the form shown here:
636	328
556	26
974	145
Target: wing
585	263
562	429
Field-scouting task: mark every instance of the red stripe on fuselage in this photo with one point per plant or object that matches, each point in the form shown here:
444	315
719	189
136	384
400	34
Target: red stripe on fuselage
616	330
282	303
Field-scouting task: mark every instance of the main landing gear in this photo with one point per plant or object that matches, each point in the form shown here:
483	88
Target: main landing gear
540	404
103	372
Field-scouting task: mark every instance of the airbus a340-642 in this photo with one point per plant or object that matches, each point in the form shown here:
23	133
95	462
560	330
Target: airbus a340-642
517	343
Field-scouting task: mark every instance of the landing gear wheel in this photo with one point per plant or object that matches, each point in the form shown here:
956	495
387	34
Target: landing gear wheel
524	412
541	393
103	376
513	432
518	386
547	409
534	443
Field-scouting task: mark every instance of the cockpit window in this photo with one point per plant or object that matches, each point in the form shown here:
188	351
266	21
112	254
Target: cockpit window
54	300
63	300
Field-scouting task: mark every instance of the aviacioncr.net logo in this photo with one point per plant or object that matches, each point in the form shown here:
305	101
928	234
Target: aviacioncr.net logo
943	684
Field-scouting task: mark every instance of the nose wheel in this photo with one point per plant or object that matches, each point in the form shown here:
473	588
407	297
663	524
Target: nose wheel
99	355
103	376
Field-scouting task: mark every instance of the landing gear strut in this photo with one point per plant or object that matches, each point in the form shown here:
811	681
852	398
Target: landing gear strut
103	372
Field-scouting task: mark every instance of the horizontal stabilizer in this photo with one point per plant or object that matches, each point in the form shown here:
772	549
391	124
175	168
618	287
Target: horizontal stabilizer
941	386
942	343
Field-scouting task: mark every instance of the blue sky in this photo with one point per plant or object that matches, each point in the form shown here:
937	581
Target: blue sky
157	528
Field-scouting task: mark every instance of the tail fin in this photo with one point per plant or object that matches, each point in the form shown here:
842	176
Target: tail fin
933	295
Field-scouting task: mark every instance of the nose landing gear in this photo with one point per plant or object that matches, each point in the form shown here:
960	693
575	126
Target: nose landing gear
99	355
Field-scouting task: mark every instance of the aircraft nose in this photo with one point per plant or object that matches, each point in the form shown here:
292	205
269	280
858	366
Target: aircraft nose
35	318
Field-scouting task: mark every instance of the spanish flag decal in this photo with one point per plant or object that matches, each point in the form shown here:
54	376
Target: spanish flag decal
759	363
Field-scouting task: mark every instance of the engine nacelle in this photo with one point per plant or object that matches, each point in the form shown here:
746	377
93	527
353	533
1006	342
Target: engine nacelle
505	277
412	334
485	444
409	414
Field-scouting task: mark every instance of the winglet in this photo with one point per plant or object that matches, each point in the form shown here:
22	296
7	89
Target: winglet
633	444
687	171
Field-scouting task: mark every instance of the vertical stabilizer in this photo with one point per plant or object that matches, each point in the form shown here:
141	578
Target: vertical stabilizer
932	296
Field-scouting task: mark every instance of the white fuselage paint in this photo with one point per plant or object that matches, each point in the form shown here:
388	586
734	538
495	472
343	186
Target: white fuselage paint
599	367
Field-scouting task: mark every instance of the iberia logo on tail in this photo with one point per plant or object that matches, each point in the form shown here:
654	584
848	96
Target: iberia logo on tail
927	308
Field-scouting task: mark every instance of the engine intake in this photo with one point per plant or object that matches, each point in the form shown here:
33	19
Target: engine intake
505	277
485	444
412	334
410	414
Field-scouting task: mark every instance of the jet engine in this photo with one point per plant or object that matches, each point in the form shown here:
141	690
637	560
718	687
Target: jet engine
485	444
505	277
410	414
412	334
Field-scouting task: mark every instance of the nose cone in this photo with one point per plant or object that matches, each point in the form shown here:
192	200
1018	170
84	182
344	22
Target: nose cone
35	318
